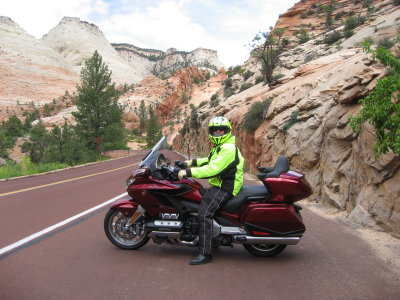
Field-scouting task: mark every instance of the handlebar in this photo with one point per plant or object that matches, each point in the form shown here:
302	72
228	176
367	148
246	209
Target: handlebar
181	164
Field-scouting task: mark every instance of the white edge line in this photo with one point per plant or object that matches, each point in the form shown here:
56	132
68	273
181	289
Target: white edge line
62	223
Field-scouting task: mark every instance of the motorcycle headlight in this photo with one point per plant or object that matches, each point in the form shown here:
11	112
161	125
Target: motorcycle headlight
129	181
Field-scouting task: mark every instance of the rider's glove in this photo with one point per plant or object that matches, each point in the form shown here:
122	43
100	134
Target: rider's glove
189	163
181	174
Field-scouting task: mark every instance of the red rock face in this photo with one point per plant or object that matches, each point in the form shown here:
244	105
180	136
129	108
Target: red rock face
308	15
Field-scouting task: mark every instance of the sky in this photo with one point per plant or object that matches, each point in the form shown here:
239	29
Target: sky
227	26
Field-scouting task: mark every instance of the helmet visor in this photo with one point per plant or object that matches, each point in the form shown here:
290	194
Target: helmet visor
218	130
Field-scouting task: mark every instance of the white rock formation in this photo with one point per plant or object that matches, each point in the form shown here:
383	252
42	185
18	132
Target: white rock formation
29	70
77	40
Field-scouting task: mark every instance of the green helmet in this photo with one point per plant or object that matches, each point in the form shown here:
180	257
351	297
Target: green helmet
222	124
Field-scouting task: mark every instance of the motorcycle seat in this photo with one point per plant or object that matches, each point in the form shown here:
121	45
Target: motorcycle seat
247	194
281	166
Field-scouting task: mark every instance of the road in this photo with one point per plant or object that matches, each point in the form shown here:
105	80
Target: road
76	261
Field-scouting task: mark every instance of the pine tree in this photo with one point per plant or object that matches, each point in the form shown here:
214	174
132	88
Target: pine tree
154	132
142	115
97	104
36	147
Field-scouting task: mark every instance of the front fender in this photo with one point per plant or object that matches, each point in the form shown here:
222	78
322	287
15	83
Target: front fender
126	206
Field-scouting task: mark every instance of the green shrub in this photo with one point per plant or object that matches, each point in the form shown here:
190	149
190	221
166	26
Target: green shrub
245	86
247	75
26	167
214	103
235	70
293	120
202	104
381	108
214	97
332	37
229	92
339	15
228	83
255	116
303	36
259	79
367	3
386	43
353	22
278	76
396	2
348	33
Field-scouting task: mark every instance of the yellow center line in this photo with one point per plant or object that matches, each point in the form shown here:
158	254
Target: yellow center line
63	181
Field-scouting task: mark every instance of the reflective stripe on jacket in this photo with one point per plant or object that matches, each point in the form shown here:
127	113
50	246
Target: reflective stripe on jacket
223	167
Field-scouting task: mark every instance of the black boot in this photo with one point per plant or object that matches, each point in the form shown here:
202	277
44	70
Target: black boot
201	259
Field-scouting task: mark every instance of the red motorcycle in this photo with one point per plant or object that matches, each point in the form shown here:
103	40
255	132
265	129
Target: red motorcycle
264	218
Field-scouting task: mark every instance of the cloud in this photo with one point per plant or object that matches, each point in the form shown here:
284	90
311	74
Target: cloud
37	17
224	25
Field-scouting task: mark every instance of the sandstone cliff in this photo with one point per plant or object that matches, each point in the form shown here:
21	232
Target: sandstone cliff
29	70
321	85
164	64
76	41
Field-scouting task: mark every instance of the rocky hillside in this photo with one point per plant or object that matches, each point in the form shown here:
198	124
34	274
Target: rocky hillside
29	71
308	117
76	41
41	70
164	64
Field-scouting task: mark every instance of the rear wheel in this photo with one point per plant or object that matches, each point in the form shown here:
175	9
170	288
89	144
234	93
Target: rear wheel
264	250
132	237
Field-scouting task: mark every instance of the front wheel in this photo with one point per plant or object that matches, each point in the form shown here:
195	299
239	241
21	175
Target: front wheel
265	250
132	237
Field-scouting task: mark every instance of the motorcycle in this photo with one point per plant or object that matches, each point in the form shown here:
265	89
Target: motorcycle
263	218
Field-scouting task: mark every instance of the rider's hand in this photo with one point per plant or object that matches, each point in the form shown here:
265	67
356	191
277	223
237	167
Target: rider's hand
181	174
188	162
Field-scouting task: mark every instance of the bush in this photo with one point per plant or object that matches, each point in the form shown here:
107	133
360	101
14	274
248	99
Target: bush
291	122
396	2
348	33
214	97
228	83
381	107
278	76
202	103
332	37
247	75
386	43
255	116
303	36
245	86
259	79
353	22
339	15
228	92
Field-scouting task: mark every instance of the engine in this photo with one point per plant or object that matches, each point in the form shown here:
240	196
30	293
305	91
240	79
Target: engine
190	229
174	230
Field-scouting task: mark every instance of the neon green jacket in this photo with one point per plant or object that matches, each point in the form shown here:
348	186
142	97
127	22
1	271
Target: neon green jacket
223	167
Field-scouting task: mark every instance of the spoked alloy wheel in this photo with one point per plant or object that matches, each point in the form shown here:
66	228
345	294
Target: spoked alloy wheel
132	237
264	249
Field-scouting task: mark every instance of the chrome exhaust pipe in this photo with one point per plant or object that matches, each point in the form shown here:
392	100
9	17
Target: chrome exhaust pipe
245	239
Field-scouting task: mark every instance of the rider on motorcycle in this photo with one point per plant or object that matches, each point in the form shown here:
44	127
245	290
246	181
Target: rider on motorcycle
224	169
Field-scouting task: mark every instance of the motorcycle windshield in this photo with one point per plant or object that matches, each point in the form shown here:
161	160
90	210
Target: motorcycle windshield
152	155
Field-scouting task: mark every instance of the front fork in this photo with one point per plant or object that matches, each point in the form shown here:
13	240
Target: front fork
135	217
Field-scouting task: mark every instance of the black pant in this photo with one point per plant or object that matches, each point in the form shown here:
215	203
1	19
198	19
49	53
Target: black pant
213	198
